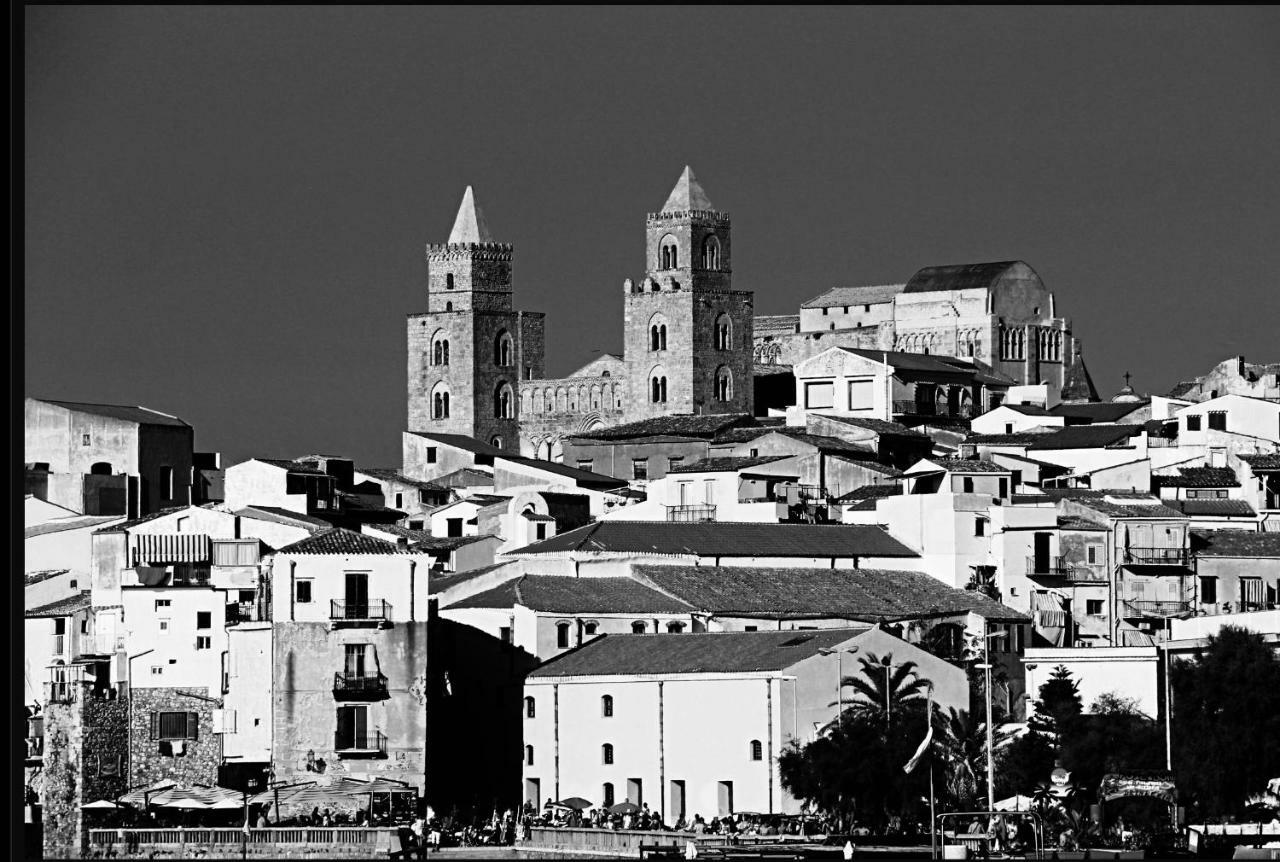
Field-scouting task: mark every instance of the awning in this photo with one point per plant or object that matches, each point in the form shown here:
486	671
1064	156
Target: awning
171	548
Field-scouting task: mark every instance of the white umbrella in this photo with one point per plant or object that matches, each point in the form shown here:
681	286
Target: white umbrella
101	803
1015	803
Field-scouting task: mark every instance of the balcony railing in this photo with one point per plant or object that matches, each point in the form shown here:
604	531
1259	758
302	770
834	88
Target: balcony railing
699	512
375	610
1157	556
930	408
96	645
1158	609
1048	566
373	744
359	686
243	612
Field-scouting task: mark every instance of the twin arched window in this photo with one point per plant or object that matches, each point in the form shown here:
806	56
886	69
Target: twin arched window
724	384
440	402
637	628
658	336
711	253
440	350
675	628
502	350
669	257
658	389
724	332
503	402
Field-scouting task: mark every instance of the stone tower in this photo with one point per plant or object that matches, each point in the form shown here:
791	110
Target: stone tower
687	332
469	351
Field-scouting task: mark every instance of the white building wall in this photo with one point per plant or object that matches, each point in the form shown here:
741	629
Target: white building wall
252	483
1251	417
1128	671
399	579
250	692
165	637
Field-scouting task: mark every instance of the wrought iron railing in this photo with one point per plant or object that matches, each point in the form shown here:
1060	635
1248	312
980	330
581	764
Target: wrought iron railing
1156	556
376	610
1048	566
697	512
1145	608
349	684
373	742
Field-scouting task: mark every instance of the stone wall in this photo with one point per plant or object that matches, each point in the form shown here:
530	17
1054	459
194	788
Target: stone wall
85	757
198	764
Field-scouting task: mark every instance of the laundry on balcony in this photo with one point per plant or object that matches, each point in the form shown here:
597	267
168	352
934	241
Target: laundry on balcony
1050	617
171	548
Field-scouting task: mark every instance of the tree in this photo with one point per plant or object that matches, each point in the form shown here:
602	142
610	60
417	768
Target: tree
879	675
1226	721
1058	706
1023	764
963	746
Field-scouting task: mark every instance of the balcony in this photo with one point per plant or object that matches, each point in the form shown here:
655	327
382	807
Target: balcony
1141	608
244	612
700	512
96	646
1154	556
360	745
349	685
1055	566
367	613
929	408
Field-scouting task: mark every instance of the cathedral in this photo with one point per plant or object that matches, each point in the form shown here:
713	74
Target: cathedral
690	341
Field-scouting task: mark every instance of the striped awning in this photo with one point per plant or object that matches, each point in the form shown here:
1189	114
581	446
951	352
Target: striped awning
171	548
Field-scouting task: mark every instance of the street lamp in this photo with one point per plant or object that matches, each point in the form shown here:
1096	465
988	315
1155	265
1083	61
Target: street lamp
839	654
986	666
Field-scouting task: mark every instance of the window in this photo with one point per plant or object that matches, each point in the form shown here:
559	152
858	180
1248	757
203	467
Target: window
204	642
504	634
530	710
1091	554
640	468
1217	420
562	635
502	349
606	706
164	624
84	440
670	255
528	755
825	311
820	394
1093	607
607	794
711	253
979	526
674	461
966	485
204	619
495	442
1193	423
163	603
724	332
750	628
606	753
724	384
540	531
448	281
399	501
658	389
757	750
157	670
440	351
440	403
638	628
675	628
1004	488
590	628
1208	590
166	482
503	402
175	725
861	394
586	464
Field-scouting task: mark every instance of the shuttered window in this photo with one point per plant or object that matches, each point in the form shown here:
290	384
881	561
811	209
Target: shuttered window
175	725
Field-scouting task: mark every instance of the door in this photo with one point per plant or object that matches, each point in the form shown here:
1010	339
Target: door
677	800
635	791
453	527
533	793
725	798
351	725
357	596
1041	550
355	660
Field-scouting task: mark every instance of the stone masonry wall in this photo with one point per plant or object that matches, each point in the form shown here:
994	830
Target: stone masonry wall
198	764
85	745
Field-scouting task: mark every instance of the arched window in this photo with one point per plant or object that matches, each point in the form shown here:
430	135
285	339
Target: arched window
606	753
440	402
448	281
495	441
562	635
606	706
100	468
607	794
724	332
658	388
528	755
662	336
503	403
675	628
669	257
757	750
711	253
548	402
448	306
724	383
440	349
590	628
653	337
530	710
502	349
637	627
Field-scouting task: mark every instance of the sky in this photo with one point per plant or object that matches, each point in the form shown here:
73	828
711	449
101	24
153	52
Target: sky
226	208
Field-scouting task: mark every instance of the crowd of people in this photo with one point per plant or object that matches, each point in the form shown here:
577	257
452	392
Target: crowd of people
643	819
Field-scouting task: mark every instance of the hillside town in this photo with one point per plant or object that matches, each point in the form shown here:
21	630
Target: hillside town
839	578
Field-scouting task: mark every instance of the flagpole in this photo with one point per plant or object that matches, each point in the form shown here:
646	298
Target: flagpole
933	841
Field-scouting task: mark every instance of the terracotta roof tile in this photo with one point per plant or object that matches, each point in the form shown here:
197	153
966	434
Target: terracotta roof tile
1235	543
725	539
570	595
340	541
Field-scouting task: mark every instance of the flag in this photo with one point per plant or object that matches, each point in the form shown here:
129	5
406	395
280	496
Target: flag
448	686
924	746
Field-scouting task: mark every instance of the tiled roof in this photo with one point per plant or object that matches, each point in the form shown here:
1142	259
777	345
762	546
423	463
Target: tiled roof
126	525
968	465
387	475
1019	438
911	361
570	595
292	466
1200	477
284	516
1262	462
724	465
962	276
440	583
31	578
141	415
1214	508
1102	411
701	425
775	324
871	493
872	294
587	478
1122	504
1027	409
423	540
741	435
1087	437
725	539
465	478
871	595
62	607
829	445
1235	543
460	441
703	652
758	370
61	524
340	541
881	427
1074	522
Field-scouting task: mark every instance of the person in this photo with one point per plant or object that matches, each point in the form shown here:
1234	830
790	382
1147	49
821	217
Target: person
699	825
327	819
315	816
262	820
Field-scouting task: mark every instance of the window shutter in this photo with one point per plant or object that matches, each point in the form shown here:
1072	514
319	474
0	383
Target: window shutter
155	725
193	725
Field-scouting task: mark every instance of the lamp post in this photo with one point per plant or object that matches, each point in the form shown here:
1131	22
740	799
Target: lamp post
839	654
986	666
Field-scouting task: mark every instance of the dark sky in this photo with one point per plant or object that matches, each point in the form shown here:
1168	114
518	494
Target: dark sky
226	208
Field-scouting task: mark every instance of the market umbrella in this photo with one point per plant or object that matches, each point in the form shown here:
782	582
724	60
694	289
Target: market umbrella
627	807
284	791
1016	803
142	795
190	798
101	803
574	803
224	799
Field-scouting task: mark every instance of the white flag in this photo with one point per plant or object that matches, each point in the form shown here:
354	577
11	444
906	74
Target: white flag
924	746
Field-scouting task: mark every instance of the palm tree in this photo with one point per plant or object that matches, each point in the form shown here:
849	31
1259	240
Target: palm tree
963	742
884	686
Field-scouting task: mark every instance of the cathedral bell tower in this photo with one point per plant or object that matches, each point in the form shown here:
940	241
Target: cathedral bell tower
687	332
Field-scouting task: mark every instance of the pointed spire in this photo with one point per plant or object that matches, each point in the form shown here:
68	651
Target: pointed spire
687	195
470	225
